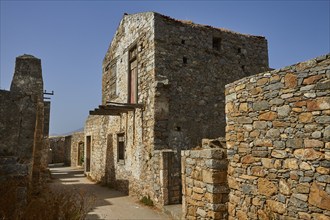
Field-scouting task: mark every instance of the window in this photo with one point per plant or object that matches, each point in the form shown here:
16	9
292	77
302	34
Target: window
121	146
184	60
216	43
133	76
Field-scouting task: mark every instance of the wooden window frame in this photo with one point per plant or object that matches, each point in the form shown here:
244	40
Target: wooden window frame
132	60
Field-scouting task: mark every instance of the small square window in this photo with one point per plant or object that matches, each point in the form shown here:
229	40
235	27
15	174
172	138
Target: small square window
216	43
184	60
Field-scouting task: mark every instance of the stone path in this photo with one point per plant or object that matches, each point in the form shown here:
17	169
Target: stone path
109	204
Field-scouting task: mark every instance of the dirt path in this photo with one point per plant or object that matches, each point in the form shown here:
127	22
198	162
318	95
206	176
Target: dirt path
109	204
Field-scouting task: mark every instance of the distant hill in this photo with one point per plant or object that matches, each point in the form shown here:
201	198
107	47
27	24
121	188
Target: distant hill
68	133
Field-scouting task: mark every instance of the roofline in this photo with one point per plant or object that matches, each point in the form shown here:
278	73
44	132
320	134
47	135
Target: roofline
192	24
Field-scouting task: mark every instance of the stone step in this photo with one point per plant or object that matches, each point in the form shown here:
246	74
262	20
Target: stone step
175	211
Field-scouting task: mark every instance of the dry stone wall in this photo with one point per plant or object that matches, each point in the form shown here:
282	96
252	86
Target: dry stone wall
204	181
278	137
23	146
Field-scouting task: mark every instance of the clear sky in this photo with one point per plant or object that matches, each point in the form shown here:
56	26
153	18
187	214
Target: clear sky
72	37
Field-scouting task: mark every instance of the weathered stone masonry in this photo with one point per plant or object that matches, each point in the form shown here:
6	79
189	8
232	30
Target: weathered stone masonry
24	145
67	149
278	137
204	181
181	69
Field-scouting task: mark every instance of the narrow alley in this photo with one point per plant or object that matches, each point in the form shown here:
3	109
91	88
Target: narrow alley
109	203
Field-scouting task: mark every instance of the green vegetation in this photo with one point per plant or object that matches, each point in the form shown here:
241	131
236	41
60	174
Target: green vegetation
147	201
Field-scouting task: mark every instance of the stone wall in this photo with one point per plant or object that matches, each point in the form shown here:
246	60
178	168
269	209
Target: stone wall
277	137
77	149
23	146
204	181
57	149
191	73
64	149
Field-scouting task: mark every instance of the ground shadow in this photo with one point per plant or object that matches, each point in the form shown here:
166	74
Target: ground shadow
74	178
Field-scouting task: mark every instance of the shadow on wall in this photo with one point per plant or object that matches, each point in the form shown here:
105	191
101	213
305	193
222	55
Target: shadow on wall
109	179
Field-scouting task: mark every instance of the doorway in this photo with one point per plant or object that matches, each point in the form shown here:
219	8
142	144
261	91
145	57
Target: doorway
88	153
80	158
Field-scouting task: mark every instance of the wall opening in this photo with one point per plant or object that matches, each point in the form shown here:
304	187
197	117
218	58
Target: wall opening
133	76
216	43
184	60
88	153
183	41
121	146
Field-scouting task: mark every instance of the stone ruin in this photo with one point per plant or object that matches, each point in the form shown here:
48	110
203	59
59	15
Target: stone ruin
24	121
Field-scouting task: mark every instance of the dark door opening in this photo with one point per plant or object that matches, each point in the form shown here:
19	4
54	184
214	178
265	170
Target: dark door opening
88	153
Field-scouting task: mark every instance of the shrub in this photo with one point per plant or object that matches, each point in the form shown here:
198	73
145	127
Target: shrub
147	201
51	203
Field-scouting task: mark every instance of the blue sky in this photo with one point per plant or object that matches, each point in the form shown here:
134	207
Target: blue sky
72	37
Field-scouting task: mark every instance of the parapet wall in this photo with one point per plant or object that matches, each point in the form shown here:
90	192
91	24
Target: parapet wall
204	182
278	137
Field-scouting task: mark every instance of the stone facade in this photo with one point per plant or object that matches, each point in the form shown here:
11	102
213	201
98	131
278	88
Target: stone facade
77	149
173	73
24	145
277	137
204	181
67	149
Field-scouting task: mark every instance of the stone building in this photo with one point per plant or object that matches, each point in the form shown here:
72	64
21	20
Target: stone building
67	149
163	86
24	121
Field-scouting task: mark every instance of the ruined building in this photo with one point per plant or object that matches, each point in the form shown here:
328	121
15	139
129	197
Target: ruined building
163	86
24	120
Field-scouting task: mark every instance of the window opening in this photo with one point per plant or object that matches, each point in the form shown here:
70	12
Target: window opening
121	146
133	76
216	43
184	60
